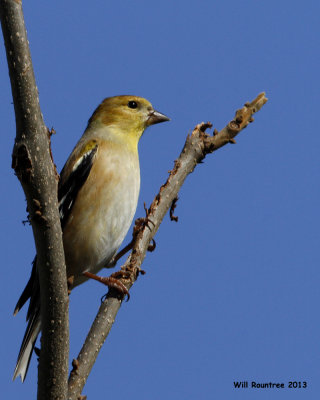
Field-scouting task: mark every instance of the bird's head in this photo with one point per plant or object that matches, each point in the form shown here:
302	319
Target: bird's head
128	115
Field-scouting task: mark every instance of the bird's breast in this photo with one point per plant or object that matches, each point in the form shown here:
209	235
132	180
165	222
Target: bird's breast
102	212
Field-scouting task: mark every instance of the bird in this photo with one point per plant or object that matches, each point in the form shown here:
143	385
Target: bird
97	193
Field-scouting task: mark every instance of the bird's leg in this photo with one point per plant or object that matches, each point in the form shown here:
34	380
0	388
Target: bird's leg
122	252
144	221
111	281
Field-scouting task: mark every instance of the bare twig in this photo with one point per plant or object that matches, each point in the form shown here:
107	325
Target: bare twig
32	163
197	146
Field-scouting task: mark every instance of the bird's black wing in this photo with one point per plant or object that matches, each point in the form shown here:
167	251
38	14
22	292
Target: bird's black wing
68	189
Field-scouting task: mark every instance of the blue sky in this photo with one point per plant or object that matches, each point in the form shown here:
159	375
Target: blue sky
232	291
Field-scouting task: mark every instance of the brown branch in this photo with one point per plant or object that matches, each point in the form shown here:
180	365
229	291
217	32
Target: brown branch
32	162
197	146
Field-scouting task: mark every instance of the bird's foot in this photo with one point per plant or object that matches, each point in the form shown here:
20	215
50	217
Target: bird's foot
143	222
140	224
112	281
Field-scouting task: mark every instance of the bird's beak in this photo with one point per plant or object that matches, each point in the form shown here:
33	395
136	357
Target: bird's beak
155	117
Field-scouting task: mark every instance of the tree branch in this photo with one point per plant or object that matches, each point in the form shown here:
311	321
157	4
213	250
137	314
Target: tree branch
32	162
197	146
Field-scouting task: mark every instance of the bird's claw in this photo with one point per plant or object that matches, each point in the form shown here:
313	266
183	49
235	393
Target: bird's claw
112	281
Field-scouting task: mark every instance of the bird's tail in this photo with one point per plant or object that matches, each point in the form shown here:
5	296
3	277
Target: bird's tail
28	342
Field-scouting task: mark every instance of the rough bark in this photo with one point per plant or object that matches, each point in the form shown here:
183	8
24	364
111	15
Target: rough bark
32	163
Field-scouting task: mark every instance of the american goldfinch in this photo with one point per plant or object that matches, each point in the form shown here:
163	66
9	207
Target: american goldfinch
98	193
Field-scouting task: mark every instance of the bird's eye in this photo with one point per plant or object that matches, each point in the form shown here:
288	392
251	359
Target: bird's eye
132	104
